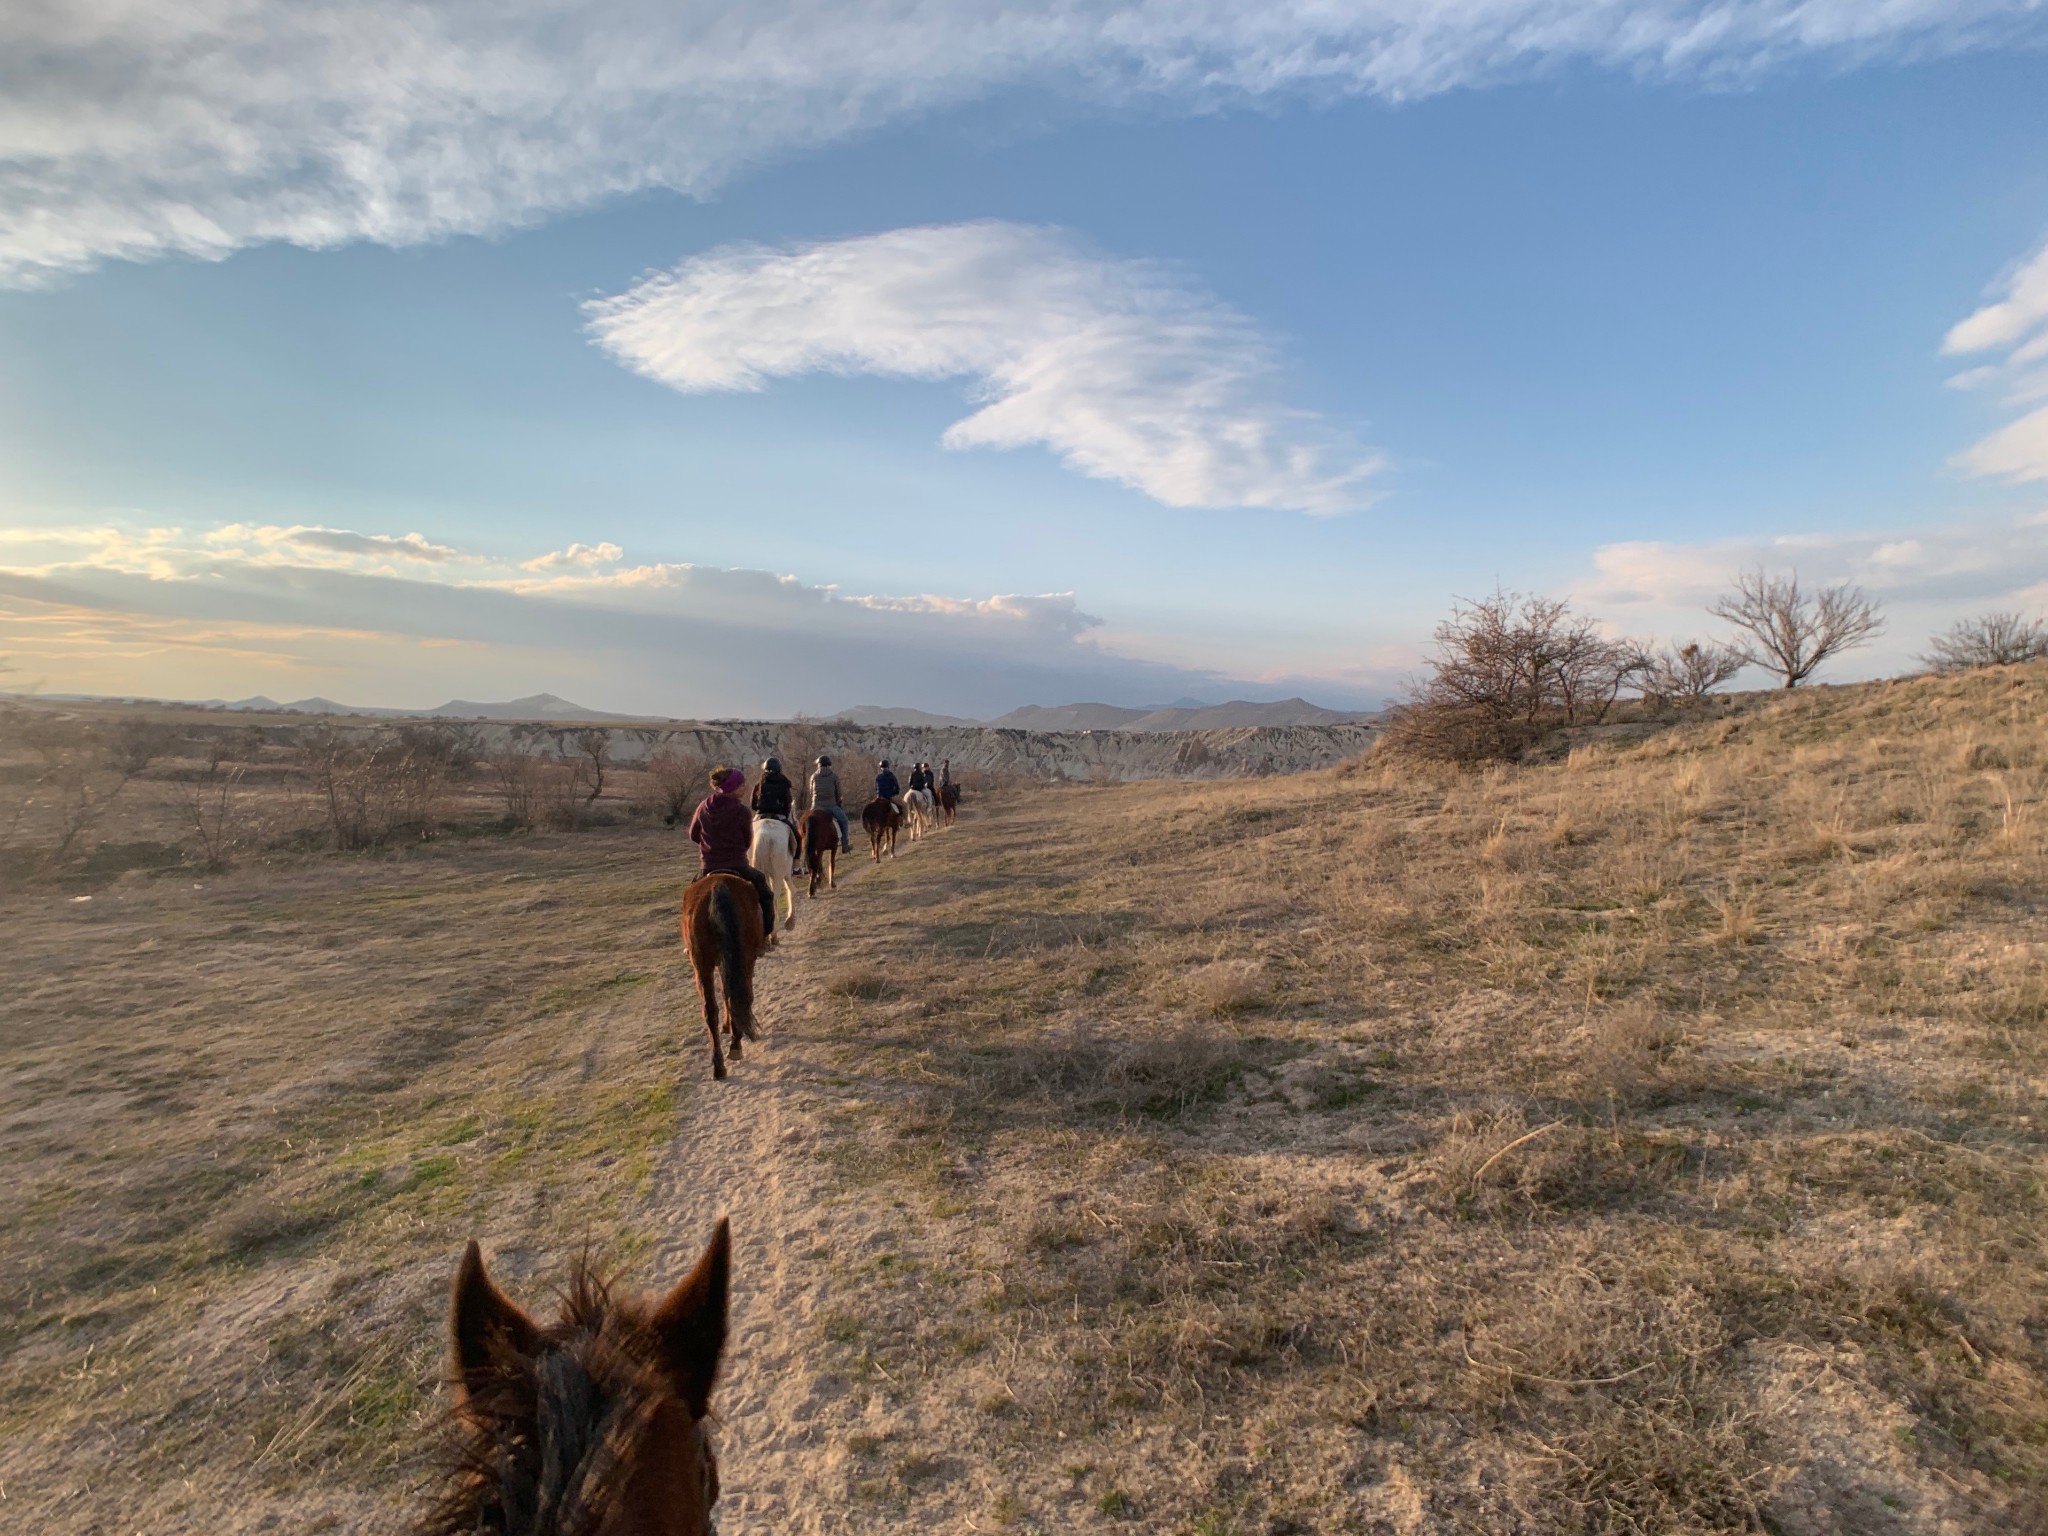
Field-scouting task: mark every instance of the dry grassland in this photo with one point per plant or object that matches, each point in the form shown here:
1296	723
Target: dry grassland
1647	1141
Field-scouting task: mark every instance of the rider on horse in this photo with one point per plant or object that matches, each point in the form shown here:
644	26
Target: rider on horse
723	830
885	783
921	777
774	799
825	797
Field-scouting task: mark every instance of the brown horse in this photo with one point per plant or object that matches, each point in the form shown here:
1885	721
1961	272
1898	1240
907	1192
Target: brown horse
722	931
593	1424
881	819
949	803
821	849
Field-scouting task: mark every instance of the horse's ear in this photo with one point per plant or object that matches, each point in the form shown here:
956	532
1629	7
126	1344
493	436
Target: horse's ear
691	1321
483	1323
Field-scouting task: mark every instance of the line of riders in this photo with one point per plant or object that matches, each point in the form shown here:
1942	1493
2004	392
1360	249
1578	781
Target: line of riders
723	828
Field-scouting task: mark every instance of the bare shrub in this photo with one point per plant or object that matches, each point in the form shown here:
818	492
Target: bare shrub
80	772
1685	674
678	782
594	746
560	793
214	807
800	745
1792	631
518	770
374	784
1990	640
1508	669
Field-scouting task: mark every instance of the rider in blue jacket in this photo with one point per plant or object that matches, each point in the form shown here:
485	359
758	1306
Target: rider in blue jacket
885	783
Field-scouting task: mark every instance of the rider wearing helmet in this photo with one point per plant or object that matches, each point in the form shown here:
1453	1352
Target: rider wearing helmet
885	783
723	831
774	799
825	797
921	777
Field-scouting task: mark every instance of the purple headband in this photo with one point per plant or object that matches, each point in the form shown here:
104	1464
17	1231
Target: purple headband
733	782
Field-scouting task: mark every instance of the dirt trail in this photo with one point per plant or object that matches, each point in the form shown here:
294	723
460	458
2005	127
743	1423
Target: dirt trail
745	1148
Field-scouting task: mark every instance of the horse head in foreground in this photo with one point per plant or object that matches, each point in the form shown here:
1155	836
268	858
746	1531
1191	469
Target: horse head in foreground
593	1424
724	934
881	817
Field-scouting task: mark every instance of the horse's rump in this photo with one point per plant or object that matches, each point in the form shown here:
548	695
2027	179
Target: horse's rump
821	834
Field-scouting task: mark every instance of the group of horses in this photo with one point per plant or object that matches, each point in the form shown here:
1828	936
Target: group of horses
722	920
593	1423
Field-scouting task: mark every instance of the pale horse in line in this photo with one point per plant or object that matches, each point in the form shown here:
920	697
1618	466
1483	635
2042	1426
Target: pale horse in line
918	810
775	856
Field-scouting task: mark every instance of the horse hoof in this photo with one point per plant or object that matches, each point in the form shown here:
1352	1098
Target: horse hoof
718	1072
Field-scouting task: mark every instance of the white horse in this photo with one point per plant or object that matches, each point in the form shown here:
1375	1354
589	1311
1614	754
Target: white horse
917	810
775	856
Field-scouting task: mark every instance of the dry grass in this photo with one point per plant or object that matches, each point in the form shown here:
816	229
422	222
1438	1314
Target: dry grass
1647	1141
1642	1142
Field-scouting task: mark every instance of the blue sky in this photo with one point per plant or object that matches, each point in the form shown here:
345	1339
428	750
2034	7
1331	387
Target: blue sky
1108	352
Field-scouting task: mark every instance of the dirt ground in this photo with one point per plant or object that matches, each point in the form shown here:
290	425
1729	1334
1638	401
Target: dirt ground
1645	1141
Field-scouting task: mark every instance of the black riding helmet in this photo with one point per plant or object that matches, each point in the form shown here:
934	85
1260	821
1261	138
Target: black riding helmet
824	762
773	765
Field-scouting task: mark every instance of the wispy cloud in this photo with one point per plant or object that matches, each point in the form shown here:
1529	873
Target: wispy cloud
132	130
1931	576
76	606
2016	325
1123	368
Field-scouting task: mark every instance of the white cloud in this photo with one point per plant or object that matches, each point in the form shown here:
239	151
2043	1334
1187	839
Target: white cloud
132	128
2016	324
1121	367
576	557
1928	577
302	541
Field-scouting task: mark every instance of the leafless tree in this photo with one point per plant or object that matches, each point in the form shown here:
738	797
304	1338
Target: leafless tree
1507	669
214	803
518	769
82	771
1992	640
1792	631
1685	674
678	781
595	745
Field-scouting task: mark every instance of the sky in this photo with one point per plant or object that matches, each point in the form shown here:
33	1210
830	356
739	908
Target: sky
706	359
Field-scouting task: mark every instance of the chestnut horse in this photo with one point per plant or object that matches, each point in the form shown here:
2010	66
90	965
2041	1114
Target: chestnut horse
881	817
949	803
593	1424
821	849
723	933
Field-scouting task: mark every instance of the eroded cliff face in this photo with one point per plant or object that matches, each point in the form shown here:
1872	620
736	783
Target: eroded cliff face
1248	752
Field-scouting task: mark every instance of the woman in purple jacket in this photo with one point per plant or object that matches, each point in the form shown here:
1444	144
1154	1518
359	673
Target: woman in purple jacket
723	830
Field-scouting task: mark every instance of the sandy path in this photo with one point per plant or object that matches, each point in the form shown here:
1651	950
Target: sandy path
745	1148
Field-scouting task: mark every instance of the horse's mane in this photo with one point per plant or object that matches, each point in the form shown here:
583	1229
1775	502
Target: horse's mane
539	1446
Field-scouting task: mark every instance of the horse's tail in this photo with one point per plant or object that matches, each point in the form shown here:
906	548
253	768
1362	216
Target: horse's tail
732	959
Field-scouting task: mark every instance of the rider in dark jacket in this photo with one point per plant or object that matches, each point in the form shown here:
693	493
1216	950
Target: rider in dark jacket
774	795
885	783
921	777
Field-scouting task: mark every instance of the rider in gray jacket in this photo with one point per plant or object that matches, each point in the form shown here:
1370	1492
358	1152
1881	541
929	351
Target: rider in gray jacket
825	797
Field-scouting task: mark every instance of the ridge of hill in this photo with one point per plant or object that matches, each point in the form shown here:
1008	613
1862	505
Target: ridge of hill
1236	714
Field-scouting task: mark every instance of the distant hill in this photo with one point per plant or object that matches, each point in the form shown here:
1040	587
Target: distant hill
877	714
538	706
1184	716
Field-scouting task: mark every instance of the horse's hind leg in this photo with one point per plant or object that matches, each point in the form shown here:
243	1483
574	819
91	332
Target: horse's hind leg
707	988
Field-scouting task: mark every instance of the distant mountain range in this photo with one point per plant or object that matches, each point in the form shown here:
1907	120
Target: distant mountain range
1181	715
538	706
